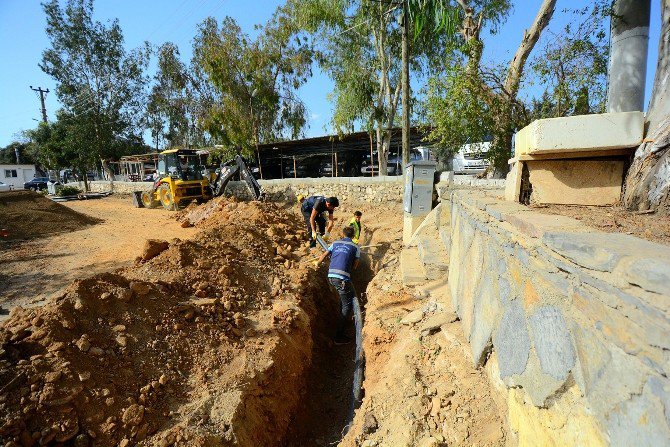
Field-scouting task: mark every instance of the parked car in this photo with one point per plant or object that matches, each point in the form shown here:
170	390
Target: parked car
348	165
307	167
471	159
38	184
393	164
4	187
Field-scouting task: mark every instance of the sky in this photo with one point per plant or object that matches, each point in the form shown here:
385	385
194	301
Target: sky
22	41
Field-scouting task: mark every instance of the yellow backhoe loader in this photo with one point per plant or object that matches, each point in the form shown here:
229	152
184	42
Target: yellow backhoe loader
181	180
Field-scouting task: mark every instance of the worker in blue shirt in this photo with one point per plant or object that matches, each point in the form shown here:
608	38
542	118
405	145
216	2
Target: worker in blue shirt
344	257
312	210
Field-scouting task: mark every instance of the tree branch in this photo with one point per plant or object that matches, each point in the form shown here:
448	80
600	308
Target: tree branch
528	42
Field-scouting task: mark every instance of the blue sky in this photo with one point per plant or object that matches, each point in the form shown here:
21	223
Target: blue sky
22	40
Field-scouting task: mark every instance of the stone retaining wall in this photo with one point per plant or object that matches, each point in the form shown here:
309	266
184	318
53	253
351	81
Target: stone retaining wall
572	324
384	189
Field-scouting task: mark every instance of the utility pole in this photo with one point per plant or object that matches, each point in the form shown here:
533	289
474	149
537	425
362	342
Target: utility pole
405	86
43	95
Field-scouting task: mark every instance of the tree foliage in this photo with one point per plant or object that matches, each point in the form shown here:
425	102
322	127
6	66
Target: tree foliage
99	84
9	152
169	98
358	44
255	81
573	63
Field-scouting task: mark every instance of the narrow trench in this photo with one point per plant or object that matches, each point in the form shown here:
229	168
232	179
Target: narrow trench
323	415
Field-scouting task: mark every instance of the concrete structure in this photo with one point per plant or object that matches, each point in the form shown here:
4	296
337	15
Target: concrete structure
580	133
571	182
17	175
573	160
629	43
572	324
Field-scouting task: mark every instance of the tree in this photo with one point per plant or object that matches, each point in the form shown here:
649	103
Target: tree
573	64
647	185
491	90
16	152
99	83
255	82
359	45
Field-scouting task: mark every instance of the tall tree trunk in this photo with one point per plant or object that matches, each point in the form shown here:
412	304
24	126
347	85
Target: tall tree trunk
107	170
381	154
629	43
511	87
647	185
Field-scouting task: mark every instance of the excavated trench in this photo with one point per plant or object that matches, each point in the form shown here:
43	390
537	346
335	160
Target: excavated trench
323	416
231	348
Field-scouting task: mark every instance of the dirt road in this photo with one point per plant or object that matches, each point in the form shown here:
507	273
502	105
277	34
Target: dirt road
31	271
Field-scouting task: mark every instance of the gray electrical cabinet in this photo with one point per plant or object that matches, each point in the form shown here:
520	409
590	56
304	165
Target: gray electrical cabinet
418	199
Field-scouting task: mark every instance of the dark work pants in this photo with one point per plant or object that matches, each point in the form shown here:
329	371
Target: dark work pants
346	291
320	225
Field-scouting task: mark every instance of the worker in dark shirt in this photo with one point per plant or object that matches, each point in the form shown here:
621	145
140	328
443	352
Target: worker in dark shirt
344	257
312	210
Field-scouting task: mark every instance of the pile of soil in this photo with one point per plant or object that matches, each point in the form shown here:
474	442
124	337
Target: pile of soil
201	343
615	219
27	214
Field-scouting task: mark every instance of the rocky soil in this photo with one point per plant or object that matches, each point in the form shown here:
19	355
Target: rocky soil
179	349
224	339
421	388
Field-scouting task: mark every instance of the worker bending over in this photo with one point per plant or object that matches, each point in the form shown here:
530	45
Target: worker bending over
312	210
355	223
344	257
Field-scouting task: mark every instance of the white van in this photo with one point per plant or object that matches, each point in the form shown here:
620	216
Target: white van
471	159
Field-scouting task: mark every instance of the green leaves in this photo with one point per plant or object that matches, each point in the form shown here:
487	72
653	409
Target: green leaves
573	65
255	80
99	84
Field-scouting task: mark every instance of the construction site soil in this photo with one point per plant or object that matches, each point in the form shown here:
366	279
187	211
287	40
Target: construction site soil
36	268
225	339
28	214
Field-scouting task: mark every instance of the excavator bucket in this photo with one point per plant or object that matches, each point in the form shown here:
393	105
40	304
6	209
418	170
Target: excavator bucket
228	171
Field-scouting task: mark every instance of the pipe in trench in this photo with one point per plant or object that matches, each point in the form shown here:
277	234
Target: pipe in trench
358	356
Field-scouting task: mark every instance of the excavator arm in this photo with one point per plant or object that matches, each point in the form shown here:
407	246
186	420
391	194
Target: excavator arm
228	171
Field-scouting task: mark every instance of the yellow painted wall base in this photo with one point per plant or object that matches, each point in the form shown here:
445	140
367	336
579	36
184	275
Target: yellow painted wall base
564	423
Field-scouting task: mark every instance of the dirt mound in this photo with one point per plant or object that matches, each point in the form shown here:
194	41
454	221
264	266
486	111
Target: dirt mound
180	349
27	214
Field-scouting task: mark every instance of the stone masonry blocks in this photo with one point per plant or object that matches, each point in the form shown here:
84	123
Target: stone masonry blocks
567	311
552	342
512	342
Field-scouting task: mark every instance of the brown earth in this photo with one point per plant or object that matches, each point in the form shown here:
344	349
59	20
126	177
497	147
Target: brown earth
205	344
224	338
420	386
614	219
28	214
32	270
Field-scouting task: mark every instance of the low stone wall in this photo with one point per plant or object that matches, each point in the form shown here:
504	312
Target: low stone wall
381	189
386	189
116	187
572	324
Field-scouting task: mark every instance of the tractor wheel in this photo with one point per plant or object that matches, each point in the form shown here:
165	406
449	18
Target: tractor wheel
166	199
148	200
